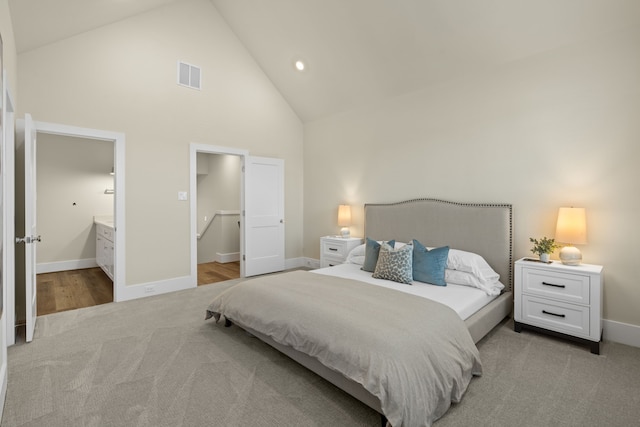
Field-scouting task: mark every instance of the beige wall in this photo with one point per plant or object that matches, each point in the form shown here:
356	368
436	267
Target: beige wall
558	129
122	78
72	175
218	190
9	56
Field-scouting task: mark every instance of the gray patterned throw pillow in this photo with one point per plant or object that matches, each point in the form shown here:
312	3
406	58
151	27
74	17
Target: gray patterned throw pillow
395	264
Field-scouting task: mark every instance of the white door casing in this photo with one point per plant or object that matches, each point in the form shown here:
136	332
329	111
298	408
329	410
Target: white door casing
118	139
31	128
30	226
194	149
8	193
7	170
264	215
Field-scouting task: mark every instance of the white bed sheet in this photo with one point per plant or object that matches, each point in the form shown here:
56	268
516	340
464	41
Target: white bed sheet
465	300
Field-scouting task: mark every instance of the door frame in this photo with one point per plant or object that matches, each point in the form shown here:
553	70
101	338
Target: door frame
194	149
8	318
118	140
9	232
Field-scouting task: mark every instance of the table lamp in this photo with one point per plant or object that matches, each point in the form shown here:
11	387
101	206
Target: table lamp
344	220
572	230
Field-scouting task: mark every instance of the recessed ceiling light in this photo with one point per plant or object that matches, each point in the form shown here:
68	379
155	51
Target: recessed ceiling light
299	65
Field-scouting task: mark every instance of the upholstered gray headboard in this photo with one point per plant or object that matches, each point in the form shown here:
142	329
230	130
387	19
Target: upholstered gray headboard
485	229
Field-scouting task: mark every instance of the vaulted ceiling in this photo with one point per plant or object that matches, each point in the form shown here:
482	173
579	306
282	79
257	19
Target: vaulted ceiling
359	52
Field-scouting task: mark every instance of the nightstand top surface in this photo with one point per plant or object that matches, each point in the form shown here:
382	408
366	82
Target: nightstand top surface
557	265
342	238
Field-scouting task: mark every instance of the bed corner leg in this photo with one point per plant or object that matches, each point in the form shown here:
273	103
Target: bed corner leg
227	323
383	421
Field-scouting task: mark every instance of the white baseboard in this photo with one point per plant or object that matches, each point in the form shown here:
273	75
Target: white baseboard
301	262
623	333
150	289
313	263
230	257
74	264
144	290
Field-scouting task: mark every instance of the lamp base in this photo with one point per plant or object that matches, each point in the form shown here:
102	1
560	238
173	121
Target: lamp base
345	232
570	255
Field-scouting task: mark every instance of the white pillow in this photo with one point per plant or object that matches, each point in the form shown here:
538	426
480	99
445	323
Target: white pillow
472	263
457	277
356	256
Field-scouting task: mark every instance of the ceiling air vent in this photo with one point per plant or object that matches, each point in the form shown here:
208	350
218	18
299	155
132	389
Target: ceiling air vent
188	75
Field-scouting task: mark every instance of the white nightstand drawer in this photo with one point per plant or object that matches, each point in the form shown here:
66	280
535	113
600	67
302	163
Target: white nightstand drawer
334	250
335	247
330	262
559	286
557	316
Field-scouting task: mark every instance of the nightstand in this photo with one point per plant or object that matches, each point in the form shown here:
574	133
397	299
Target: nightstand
334	249
563	300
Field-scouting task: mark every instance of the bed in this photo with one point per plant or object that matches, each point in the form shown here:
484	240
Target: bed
381	377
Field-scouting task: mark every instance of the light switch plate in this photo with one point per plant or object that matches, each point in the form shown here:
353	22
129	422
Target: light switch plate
182	195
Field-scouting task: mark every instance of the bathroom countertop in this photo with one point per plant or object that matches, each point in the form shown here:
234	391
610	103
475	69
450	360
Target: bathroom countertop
106	220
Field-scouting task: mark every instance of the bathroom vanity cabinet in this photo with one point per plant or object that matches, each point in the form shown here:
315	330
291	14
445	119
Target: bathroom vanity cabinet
104	246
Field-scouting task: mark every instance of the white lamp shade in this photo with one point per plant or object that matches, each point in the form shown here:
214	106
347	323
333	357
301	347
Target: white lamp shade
344	219
572	226
344	215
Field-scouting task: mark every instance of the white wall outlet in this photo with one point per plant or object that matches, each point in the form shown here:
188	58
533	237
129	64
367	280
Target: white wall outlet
182	195
149	289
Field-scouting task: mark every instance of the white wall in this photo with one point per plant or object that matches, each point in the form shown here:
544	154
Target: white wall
558	129
72	175
218	190
122	78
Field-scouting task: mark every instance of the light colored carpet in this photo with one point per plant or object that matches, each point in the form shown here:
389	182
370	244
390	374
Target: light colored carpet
157	362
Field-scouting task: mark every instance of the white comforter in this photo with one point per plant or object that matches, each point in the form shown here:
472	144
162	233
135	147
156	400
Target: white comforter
414	354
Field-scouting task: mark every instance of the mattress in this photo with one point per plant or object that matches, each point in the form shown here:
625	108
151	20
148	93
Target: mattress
464	300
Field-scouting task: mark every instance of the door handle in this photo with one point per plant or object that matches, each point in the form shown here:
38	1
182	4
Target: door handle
28	239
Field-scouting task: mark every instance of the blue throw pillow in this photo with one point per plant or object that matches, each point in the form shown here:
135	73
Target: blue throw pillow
429	265
371	252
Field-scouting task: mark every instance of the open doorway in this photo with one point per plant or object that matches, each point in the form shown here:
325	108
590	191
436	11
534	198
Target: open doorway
218	180
75	187
27	235
261	211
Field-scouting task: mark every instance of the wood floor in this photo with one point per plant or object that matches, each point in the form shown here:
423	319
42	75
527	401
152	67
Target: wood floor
68	290
212	272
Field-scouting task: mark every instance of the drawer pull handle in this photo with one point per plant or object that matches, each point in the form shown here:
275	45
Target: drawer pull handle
333	249
553	314
554	285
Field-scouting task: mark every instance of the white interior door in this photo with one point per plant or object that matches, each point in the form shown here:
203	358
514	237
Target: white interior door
264	215
31	236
